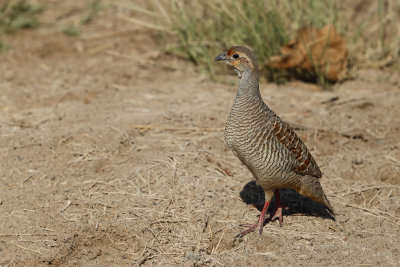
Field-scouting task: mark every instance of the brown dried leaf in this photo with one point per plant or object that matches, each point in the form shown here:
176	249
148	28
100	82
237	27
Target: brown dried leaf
314	50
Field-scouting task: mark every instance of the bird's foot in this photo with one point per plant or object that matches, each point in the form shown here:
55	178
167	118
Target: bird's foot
259	224
278	214
250	228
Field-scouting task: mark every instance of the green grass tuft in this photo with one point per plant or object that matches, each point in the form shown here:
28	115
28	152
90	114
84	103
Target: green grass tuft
93	10
90	12
16	15
71	30
202	29
205	29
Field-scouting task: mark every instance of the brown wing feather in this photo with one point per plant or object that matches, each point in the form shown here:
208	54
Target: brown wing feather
306	164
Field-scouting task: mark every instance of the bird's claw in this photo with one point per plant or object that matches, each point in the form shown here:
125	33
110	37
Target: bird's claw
251	228
278	214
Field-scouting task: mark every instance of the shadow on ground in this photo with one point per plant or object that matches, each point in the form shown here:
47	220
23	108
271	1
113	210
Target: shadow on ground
292	202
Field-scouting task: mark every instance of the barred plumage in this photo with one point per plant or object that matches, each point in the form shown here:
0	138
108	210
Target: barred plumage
266	144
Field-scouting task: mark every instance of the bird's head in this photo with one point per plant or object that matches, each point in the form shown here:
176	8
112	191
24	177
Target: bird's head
241	58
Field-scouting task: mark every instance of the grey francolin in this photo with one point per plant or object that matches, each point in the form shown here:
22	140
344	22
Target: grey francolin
266	144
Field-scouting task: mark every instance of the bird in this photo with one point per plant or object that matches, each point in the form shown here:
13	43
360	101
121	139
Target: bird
266	144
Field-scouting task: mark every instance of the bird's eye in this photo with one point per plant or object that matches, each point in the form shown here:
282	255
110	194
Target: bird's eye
235	56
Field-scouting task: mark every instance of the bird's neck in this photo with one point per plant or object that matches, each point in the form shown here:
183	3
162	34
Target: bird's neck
248	85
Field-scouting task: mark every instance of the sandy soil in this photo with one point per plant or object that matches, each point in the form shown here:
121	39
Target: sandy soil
113	154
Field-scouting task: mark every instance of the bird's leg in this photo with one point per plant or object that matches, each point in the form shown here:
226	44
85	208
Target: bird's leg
278	212
259	224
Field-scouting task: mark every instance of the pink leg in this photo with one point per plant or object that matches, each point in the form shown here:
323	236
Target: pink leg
259	224
278	213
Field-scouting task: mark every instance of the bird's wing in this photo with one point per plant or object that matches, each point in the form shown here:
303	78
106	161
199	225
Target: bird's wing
305	163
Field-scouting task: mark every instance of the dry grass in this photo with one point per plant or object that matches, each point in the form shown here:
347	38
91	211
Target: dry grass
127	165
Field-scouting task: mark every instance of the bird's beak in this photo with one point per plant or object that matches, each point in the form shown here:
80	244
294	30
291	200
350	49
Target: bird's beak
221	57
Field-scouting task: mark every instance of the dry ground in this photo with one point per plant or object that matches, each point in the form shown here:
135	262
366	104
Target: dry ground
113	154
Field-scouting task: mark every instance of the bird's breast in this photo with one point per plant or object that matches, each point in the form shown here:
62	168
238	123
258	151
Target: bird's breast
246	131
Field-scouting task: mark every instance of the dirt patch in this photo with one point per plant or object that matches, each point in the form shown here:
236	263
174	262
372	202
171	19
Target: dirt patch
113	154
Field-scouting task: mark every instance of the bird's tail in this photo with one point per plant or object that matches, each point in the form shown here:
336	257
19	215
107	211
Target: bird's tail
311	188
